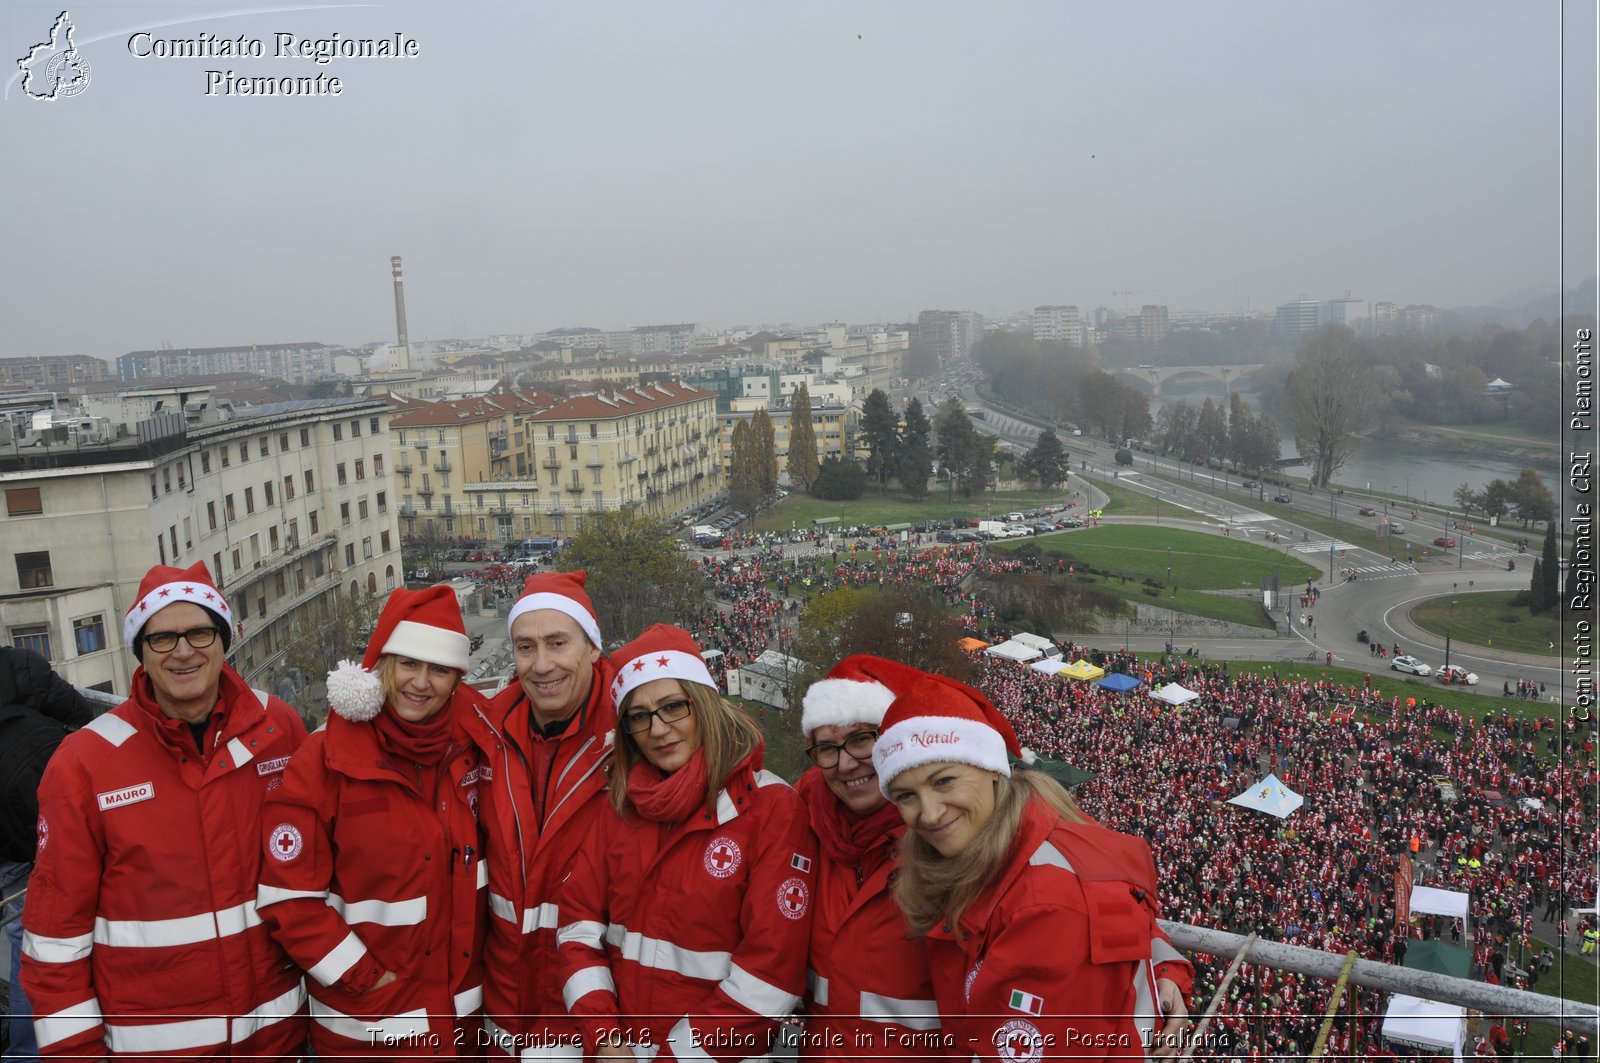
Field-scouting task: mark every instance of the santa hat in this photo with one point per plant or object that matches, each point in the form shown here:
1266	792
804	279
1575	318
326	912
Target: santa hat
856	690
423	625
163	585
662	652
936	720
563	592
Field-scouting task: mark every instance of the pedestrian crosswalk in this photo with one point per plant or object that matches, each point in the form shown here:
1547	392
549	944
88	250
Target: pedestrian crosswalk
1383	571
1322	546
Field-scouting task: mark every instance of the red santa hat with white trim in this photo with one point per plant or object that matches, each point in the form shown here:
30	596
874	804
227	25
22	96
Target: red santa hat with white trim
937	720
660	652
164	585
423	625
563	592
857	690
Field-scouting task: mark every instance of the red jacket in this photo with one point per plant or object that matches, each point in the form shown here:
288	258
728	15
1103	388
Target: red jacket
692	936
530	839
143	900
374	865
1054	959
869	978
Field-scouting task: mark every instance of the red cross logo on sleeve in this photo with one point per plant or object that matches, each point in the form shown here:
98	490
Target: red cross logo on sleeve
793	898
723	857
286	842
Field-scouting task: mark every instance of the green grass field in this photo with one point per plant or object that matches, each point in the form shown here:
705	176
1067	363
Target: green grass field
1489	619
1119	559
798	510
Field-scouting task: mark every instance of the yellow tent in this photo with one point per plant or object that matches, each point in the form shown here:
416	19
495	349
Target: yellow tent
972	644
1081	669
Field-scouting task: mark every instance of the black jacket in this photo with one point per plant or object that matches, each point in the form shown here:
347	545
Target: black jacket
37	710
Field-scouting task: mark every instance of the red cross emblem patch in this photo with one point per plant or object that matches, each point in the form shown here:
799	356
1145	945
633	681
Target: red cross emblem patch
793	898
1019	1041
286	842
723	856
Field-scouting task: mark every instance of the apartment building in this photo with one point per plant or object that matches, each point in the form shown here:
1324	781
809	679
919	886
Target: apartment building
53	371
289	505
298	363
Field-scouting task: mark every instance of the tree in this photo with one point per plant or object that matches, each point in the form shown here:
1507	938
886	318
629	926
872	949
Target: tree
967	455
802	441
1123	456
910	624
1263	445
1533	499
1211	431
916	452
1175	428
638	576
1537	603
320	637
1331	401
879	430
1241	425
839	480
744	475
1551	569
1048	461
763	438
1466	498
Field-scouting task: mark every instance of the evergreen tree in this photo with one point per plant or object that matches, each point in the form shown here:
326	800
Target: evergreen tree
879	430
802	462
966	454
744	477
1552	569
837	479
916	452
766	448
1536	596
1047	462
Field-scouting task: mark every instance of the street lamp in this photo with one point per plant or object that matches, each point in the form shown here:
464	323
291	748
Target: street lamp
1449	621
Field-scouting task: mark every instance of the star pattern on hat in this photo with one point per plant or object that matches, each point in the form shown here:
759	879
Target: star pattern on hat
638	666
661	662
164	592
188	590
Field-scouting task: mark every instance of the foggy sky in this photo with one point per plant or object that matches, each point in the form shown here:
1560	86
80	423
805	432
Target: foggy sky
547	164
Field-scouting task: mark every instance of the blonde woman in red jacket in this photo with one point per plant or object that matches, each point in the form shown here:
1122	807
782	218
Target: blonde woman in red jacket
870	994
684	923
1038	922
372	879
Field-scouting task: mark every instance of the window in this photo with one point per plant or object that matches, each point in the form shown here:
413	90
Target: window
188	533
227	507
305	437
383	501
294	532
211	515
355	429
249	500
35	637
182	482
23	502
161	547
266	492
383	540
155	492
272	538
288	488
278	583
216	565
313	522
549	431
339	469
596	474
166	480
366	548
338	432
594	431
344	513
261	447
361	468
89	634
349	554
317	567
372	426
377	464
238	559
311	483
261	605
361	508
244	452
283	442
226	456
33	570
172	531
205	461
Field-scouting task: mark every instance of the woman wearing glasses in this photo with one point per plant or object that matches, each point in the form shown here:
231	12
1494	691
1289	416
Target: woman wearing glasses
870	990
686	920
372	879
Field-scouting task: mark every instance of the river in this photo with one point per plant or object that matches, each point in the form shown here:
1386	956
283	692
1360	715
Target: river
1394	466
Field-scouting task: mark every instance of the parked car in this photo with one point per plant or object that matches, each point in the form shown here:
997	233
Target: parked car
1283	498
1042	527
1445	541
1368	511
947	536
1396	528
1249	485
1454	673
1407	663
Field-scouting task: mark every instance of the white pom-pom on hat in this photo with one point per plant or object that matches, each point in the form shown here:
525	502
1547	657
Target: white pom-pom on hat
354	693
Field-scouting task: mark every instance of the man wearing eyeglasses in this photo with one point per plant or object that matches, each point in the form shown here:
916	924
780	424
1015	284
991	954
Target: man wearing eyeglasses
141	926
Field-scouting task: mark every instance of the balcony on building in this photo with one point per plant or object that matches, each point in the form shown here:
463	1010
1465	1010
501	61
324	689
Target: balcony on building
407	510
441	464
575	488
594	463
551	463
425	491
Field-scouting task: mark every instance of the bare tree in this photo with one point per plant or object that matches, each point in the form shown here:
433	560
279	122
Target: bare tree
1331	401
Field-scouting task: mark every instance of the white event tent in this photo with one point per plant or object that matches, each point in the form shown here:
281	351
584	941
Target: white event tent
1271	796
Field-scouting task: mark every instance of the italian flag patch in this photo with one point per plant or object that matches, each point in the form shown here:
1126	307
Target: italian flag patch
1026	1003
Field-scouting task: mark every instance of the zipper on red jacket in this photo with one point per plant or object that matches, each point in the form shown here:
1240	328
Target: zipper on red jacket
511	799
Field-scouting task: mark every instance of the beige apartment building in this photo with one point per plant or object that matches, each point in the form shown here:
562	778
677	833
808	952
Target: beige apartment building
511	466
289	505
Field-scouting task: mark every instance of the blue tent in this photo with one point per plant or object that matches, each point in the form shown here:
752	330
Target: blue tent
1118	682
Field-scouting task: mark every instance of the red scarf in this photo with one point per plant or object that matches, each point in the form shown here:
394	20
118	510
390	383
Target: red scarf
845	836
422	743
669	798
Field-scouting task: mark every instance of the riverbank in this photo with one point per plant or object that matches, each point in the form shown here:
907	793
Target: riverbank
1485	441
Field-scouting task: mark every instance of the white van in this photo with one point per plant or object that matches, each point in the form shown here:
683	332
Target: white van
1040	643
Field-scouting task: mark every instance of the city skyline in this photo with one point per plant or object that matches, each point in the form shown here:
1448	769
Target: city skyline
547	165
